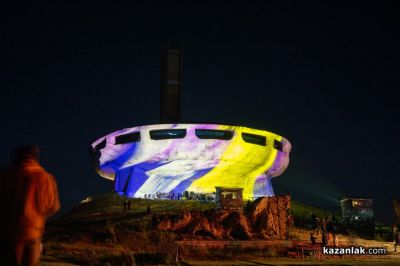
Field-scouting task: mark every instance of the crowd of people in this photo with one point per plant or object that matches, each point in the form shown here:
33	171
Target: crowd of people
324	229
202	197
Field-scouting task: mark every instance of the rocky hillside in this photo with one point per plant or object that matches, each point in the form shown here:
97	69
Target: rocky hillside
98	231
265	218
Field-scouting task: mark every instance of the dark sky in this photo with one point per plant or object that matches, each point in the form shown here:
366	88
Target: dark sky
324	74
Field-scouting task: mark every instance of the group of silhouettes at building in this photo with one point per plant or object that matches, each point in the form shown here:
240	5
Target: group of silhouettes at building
186	195
127	205
324	229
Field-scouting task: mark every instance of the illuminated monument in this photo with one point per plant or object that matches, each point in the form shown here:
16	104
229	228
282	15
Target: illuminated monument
172	158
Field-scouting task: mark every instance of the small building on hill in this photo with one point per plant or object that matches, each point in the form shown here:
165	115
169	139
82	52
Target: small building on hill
357	211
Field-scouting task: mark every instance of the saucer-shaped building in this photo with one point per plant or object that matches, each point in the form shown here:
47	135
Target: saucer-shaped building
172	158
150	160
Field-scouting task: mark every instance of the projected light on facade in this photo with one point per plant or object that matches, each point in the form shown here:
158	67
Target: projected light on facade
174	158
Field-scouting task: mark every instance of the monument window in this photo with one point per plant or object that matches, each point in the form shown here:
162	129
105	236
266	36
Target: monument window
101	145
229	195
167	134
214	134
278	145
127	138
254	139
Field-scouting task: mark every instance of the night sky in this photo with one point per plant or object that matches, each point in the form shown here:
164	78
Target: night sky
323	74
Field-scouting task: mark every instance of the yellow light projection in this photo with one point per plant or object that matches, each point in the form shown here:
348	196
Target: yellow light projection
173	158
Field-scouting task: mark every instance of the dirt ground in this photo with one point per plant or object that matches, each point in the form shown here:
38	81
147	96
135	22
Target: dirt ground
387	260
89	233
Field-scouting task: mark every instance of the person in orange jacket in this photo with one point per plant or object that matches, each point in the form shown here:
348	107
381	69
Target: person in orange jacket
29	197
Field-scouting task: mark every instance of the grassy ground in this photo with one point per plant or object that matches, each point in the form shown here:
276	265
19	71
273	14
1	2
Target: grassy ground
97	232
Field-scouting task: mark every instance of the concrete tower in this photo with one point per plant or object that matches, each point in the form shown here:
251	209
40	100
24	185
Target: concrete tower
171	83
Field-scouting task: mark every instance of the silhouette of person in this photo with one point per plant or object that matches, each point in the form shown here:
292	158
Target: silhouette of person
329	224
248	206
396	237
125	206
324	238
148	210
313	239
154	220
129	205
330	239
314	221
336	240
323	224
318	229
31	196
